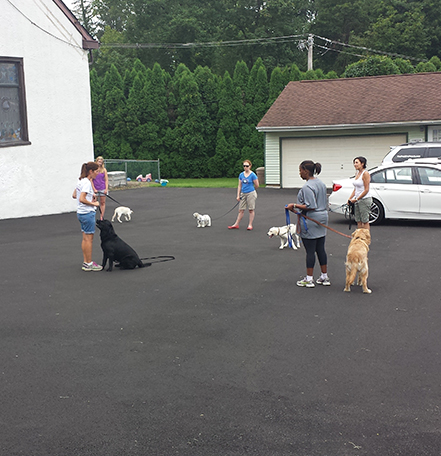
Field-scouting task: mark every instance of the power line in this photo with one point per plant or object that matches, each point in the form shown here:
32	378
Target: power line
270	40
375	51
43	30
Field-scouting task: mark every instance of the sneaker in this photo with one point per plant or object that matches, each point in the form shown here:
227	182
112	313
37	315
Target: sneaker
91	267
305	283
325	282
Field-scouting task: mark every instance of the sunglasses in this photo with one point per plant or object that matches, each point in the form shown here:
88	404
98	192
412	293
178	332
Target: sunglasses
246	166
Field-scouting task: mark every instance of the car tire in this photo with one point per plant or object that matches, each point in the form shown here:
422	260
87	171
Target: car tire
376	214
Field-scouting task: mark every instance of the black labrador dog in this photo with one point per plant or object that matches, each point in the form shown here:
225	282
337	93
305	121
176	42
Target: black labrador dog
115	249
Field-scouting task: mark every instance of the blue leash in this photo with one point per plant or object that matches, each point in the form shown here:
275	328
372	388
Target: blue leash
288	222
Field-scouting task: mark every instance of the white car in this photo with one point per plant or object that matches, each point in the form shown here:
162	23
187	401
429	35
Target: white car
413	151
407	190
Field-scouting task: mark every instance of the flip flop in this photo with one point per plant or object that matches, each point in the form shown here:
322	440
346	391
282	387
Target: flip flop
232	227
249	228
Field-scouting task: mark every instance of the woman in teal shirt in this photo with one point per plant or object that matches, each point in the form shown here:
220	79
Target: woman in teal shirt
246	194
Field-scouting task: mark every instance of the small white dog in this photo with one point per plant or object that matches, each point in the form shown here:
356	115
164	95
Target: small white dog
202	220
122	211
282	233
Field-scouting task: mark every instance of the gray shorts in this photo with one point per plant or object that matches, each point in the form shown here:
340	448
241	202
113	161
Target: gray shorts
362	209
248	200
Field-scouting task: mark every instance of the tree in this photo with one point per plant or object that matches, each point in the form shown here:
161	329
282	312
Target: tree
400	28
231	111
84	11
153	116
96	95
340	21
277	84
188	148
208	84
372	66
114	106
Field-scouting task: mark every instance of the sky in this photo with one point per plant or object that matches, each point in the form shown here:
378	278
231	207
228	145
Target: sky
68	3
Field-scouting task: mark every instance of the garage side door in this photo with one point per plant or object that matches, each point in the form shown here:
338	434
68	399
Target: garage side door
334	153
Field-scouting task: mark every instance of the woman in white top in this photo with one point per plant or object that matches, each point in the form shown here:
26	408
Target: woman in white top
86	207
361	196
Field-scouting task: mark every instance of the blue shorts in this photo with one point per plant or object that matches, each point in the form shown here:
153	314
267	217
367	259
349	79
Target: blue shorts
87	222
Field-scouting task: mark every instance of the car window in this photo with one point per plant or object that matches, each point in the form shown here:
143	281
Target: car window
378	178
430	176
399	176
408	152
434	152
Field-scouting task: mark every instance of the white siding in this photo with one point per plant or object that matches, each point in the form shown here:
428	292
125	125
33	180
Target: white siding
273	141
334	153
39	178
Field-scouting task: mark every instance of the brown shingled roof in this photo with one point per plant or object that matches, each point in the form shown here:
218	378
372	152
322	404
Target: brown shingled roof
404	98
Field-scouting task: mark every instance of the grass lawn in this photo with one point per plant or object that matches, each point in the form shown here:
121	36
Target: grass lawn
223	182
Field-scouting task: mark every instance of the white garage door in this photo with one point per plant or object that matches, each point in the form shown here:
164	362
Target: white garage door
334	153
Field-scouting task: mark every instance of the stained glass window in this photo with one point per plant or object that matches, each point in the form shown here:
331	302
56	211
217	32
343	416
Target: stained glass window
12	104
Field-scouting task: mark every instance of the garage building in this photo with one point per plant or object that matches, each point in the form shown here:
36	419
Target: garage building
332	121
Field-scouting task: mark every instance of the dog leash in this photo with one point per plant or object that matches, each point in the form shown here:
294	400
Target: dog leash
348	210
217	218
165	258
288	222
108	196
321	224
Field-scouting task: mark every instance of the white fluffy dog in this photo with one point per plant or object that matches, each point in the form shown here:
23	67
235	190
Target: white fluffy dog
122	211
282	233
202	220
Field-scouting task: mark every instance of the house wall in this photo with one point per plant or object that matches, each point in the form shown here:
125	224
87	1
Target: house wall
39	178
273	144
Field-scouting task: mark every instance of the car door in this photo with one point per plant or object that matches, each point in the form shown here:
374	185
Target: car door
430	192
399	192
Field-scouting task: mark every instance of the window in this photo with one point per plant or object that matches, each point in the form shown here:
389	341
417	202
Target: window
378	178
399	176
408	152
430	176
13	118
434	152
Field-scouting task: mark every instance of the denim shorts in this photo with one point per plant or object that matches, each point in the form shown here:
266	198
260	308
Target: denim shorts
87	222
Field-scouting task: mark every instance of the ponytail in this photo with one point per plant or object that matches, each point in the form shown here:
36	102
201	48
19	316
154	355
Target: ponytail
86	167
311	167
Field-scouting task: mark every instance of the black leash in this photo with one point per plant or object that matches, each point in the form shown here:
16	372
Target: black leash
165	258
348	210
217	218
350	213
108	196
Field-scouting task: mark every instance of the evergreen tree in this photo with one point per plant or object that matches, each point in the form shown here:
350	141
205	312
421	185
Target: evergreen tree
96	95
277	84
296	74
189	149
154	119
114	128
208	85
134	114
230	112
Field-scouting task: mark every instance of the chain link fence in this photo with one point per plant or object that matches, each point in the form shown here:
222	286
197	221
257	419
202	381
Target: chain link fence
135	168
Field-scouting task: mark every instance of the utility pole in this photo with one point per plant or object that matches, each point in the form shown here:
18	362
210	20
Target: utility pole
310	47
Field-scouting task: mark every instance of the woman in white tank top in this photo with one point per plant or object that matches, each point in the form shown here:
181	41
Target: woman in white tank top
361	196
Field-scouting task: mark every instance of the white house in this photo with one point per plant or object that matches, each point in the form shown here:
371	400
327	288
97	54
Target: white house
45	107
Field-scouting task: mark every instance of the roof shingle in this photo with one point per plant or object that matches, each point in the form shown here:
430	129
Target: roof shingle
357	101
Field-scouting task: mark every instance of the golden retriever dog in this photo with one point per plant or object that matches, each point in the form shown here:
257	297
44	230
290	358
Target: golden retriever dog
357	259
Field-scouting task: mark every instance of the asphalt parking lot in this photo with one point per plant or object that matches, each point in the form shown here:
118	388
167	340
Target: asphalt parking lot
217	352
